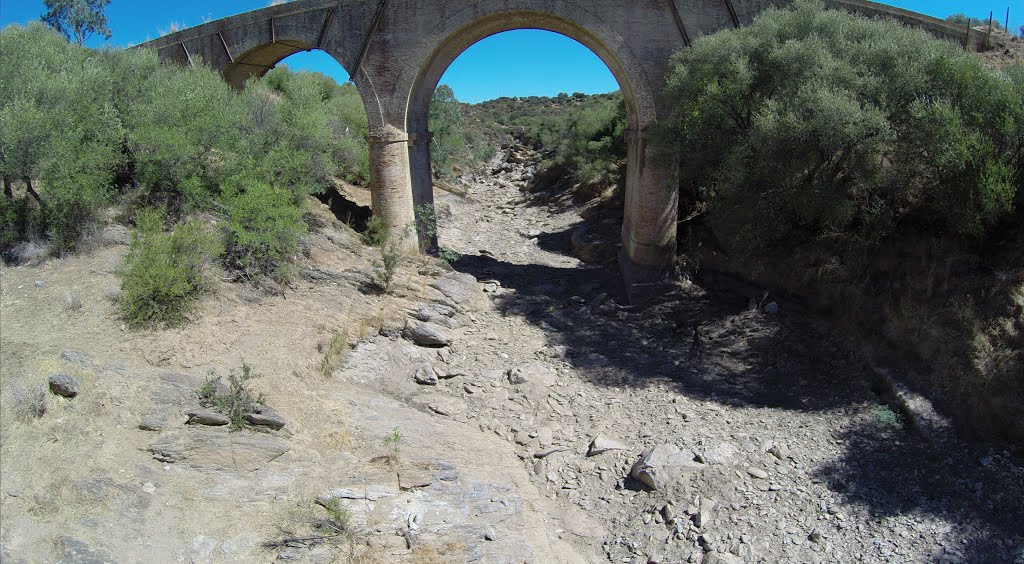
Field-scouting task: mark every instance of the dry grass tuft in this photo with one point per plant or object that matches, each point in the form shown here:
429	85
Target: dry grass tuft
335	351
26	402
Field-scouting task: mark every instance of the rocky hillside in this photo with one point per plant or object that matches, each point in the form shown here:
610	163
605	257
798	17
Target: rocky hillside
512	410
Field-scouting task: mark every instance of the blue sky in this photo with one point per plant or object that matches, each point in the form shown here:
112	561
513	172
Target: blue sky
516	63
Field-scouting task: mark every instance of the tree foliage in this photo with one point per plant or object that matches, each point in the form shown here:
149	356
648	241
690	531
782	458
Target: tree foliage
77	20
812	122
581	137
81	129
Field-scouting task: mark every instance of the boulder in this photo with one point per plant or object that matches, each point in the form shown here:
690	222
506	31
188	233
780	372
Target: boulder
64	385
662	466
426	334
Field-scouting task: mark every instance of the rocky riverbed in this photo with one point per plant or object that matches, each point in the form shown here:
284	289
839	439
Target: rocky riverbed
512	409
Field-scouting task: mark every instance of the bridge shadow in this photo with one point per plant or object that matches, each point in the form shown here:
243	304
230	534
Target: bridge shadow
711	345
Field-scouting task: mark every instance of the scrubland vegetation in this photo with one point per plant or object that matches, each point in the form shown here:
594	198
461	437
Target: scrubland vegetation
878	171
85	129
581	137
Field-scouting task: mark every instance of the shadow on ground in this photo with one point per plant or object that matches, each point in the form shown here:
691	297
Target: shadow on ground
714	346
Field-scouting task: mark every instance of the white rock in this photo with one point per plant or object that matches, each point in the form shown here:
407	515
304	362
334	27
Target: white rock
663	465
602	443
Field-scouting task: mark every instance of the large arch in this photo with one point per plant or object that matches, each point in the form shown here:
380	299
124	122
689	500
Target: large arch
639	99
650	214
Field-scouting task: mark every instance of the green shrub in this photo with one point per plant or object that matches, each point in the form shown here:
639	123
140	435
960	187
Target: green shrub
164	273
377	231
236	401
812	123
448	255
385	270
262	233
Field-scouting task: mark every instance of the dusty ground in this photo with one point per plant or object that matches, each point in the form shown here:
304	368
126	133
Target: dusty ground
791	454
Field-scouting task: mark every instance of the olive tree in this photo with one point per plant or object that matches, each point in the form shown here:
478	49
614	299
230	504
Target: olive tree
78	20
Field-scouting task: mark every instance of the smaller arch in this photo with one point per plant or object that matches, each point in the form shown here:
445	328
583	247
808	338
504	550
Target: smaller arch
259	60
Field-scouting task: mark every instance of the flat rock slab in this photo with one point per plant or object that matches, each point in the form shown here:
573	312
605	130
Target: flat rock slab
603	443
266	417
442	404
207	417
412	478
210	449
81	553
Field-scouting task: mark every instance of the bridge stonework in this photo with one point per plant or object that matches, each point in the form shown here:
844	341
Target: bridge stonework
397	50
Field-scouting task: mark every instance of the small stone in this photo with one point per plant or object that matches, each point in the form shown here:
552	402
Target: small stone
444	355
779	451
426	375
64	385
266	417
772	308
489	534
668	513
757	473
602	444
815	536
206	417
148	487
517	376
704	511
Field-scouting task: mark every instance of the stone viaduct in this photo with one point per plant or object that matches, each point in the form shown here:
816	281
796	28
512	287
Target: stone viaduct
397	50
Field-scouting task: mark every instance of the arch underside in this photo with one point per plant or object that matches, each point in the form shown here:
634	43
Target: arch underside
610	48
259	61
